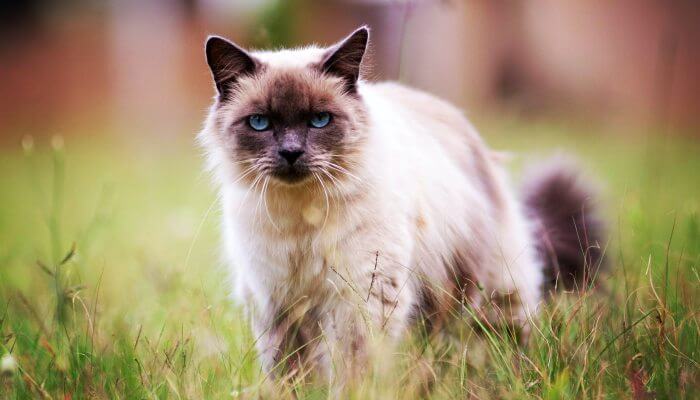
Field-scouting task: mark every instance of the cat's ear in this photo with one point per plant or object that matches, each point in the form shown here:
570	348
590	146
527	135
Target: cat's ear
227	62
345	58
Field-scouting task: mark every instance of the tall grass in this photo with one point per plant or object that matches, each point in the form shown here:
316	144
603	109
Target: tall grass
111	286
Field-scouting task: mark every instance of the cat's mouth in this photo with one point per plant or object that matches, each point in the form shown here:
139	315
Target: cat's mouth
291	174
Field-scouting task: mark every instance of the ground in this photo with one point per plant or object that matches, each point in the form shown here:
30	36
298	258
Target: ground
111	284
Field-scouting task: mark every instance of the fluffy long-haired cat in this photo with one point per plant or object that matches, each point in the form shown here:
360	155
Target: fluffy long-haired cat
351	209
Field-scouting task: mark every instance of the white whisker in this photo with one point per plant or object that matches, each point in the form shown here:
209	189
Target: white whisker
342	170
267	210
338	196
240	206
325	193
245	173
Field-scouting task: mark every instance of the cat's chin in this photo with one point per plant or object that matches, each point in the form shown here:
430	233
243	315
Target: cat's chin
292	177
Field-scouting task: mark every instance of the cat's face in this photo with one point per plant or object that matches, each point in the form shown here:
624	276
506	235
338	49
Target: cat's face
293	115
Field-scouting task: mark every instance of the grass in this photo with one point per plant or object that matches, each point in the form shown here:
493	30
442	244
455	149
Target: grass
111	284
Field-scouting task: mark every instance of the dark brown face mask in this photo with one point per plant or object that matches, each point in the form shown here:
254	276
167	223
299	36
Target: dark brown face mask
295	123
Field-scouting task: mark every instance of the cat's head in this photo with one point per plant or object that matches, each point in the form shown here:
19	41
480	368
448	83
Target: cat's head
295	116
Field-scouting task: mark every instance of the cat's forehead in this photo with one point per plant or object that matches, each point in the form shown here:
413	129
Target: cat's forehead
291	58
289	84
288	92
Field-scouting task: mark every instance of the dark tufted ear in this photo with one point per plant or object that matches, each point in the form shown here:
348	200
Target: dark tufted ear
345	58
227	63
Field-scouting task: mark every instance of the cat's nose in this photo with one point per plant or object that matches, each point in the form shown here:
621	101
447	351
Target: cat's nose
291	155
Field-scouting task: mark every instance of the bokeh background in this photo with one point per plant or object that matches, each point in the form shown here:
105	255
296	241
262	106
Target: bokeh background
137	67
111	281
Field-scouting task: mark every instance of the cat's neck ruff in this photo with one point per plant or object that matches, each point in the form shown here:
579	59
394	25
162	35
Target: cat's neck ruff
308	208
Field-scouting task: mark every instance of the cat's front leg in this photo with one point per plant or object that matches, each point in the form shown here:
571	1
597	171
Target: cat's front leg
375	299
287	339
391	293
268	341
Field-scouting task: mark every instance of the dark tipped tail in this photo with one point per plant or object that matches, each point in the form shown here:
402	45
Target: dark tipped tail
568	229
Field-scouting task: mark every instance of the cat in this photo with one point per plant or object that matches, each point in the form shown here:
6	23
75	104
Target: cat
351	209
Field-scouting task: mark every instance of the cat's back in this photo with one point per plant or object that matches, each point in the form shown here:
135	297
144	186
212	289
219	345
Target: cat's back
416	103
426	121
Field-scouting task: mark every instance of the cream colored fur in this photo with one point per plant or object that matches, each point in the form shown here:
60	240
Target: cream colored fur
355	258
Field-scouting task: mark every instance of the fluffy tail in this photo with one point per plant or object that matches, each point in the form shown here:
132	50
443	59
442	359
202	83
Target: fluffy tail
568	229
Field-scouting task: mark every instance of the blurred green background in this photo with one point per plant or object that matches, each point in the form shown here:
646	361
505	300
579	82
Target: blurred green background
111	281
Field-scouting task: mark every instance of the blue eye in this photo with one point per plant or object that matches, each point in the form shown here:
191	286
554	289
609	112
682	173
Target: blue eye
319	120
258	122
